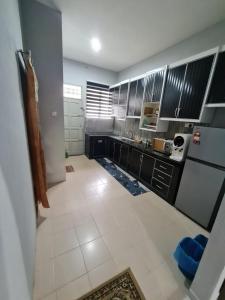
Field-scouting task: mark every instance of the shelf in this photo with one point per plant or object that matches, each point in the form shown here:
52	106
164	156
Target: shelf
148	129
150	126
133	117
151	116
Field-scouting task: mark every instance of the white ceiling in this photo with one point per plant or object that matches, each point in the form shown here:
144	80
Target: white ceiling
131	30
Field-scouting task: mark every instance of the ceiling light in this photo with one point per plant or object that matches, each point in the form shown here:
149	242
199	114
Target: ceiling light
95	44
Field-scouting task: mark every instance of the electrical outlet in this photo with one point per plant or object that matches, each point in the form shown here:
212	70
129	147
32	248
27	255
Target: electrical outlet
188	125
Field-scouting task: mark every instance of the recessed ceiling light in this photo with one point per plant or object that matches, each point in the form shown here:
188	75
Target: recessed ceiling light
96	45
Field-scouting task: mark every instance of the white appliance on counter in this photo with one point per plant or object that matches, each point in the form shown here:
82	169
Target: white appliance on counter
180	146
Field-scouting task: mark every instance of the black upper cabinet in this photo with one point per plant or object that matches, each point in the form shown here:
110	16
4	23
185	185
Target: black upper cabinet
116	95
139	96
158	84
135	97
149	87
217	90
154	85
195	84
132	98
147	167
185	89
115	98
172	92
123	94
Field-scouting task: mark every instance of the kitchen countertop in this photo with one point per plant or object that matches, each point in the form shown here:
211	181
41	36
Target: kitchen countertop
142	147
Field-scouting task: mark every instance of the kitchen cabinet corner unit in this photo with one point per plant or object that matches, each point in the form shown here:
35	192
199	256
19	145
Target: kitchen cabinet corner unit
186	89
151	106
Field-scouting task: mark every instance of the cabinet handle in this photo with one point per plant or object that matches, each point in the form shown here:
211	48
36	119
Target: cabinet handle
158	186
178	111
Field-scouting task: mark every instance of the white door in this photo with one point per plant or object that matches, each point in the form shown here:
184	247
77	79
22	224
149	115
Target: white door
73	120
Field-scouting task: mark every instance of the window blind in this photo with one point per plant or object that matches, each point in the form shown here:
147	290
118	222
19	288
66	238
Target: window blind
98	101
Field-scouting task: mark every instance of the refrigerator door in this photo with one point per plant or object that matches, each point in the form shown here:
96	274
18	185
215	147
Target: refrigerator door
198	192
212	145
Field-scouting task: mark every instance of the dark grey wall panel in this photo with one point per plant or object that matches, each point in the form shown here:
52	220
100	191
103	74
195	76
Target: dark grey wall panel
42	34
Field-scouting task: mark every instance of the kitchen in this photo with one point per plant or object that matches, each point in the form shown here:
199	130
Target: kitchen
130	117
186	91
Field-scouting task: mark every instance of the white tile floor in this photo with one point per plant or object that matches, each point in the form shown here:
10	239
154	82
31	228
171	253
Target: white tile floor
95	229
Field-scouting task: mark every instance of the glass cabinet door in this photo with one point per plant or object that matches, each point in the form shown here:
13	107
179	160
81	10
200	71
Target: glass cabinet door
139	97
132	98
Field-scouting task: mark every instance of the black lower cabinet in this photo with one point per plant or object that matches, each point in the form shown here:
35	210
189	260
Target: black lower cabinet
110	148
116	155
124	151
162	176
99	146
95	146
147	167
134	163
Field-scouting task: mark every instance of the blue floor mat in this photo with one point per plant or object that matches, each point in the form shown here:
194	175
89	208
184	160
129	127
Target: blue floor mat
131	185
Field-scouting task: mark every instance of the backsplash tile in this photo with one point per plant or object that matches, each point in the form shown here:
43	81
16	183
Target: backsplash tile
130	127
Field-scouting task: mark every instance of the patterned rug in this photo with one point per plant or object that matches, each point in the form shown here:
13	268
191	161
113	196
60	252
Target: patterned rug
69	169
131	184
121	287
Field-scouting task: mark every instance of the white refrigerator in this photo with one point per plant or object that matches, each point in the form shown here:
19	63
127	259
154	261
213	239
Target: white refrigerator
202	184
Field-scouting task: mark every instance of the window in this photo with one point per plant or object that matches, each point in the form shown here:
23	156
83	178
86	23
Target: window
72	91
99	101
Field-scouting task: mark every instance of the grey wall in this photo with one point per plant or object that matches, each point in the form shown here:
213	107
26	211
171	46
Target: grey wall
42	34
17	215
79	73
205	40
213	261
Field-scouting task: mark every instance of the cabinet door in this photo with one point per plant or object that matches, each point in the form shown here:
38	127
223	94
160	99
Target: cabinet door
147	167
135	162
139	97
99	147
122	110
158	84
115	99
123	94
116	156
195	84
132	98
217	90
149	82
124	150
172	92
110	149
